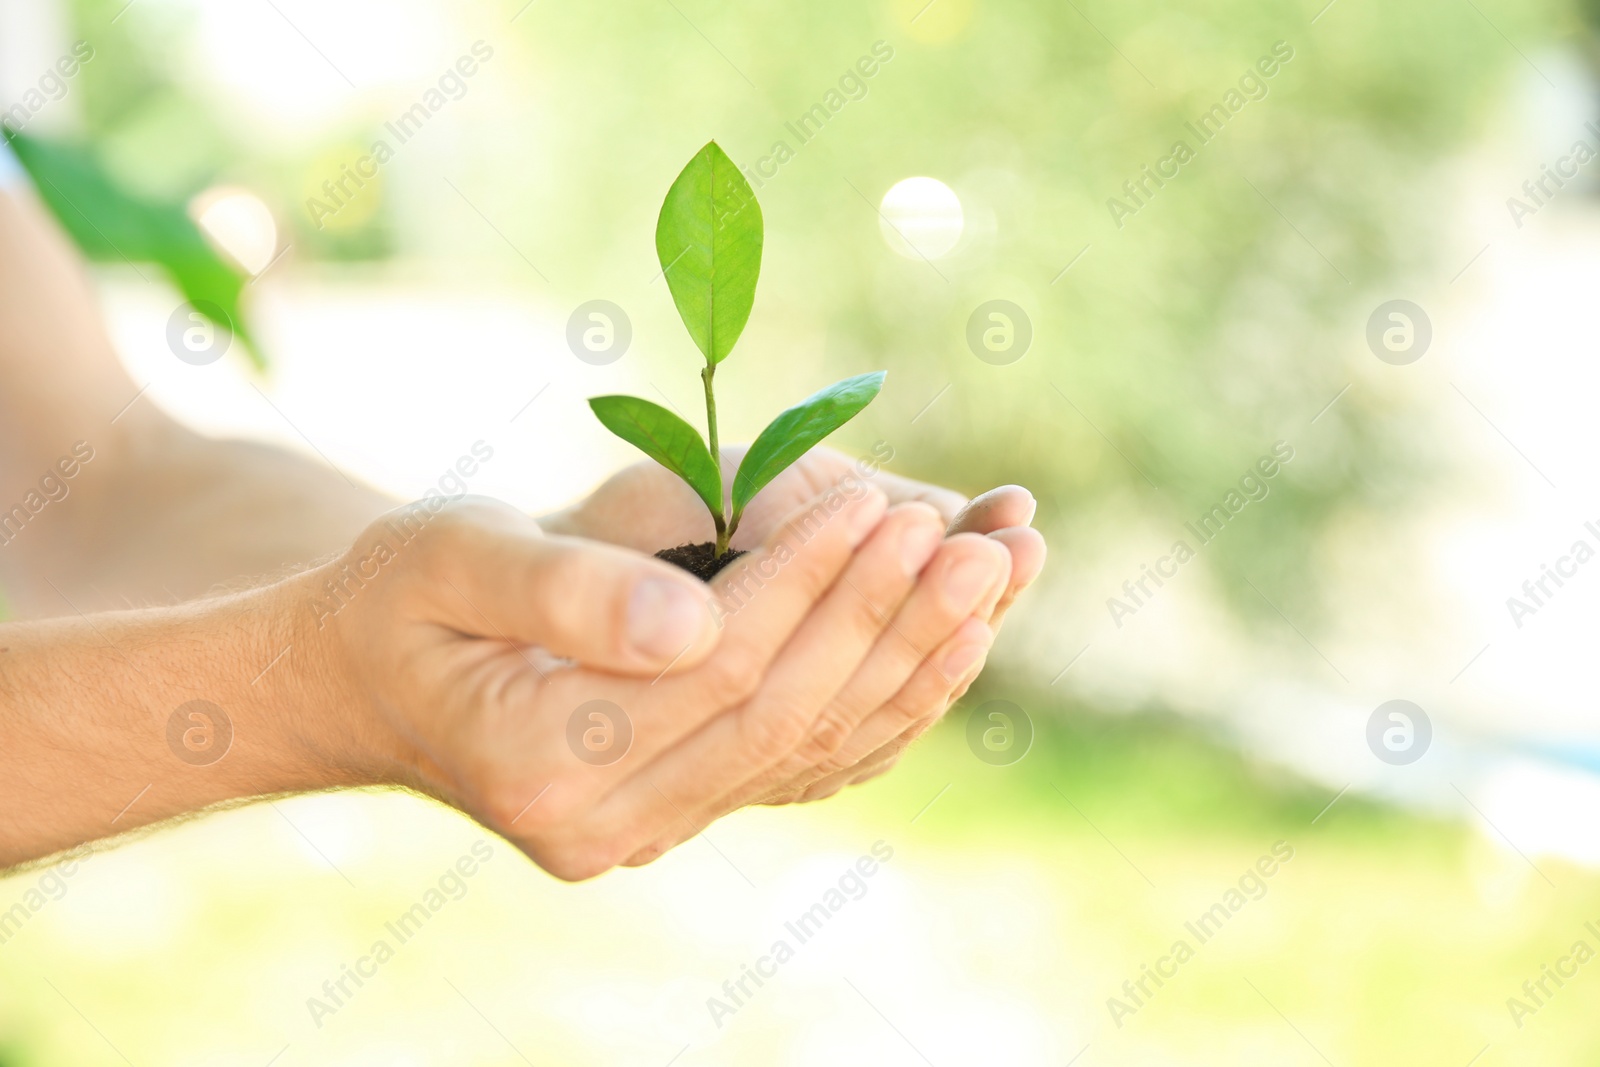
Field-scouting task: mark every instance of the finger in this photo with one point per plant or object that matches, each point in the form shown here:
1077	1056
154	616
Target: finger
761	599
874	766
964	578
927	693
947	502
1009	505
765	595
877	743
821	657
490	571
1027	548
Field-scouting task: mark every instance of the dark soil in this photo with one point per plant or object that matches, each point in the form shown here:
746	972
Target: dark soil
700	560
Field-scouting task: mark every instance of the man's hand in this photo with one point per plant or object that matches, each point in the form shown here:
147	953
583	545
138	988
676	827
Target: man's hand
648	508
425	670
454	654
463	653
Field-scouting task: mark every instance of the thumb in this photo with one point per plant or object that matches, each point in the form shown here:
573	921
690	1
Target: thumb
499	576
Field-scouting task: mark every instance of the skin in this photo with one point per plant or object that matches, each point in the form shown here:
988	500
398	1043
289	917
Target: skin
453	665
931	654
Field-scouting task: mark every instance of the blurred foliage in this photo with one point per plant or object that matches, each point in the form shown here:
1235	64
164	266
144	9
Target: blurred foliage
1028	893
1218	319
109	223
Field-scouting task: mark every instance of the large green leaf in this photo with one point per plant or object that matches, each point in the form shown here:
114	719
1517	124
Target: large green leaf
708	239
108	223
668	440
793	433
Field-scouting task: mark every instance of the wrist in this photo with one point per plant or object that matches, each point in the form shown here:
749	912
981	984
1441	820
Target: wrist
326	713
251	661
157	713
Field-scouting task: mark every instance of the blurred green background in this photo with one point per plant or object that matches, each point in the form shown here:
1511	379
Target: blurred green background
1168	354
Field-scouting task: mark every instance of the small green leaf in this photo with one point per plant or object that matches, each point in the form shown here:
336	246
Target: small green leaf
793	433
668	440
708	239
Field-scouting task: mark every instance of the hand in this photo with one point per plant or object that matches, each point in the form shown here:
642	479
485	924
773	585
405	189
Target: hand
444	658
647	507
875	748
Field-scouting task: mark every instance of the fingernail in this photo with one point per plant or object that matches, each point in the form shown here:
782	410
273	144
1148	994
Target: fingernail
664	618
966	582
865	516
917	546
962	659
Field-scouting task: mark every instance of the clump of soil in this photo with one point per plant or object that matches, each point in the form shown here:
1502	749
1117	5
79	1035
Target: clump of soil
700	560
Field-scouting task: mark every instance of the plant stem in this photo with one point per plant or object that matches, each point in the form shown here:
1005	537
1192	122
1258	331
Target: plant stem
723	532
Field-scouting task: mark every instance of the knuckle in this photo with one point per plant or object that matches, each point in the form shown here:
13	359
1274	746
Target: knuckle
923	697
438	541
906	709
647	855
912	732
445	531
829	733
574	864
516	806
772	731
499	807
732	675
503	804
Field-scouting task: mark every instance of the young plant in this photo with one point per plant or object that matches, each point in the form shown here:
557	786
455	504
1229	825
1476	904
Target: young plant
708	239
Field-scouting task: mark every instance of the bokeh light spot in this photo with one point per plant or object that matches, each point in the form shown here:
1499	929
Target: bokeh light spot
921	218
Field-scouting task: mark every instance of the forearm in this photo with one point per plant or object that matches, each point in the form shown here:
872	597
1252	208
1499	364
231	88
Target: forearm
158	513
116	721
172	516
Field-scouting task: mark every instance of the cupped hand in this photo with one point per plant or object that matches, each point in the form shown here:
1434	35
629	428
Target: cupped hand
582	700
647	507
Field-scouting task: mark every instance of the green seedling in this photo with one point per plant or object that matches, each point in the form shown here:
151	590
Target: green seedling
708	239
